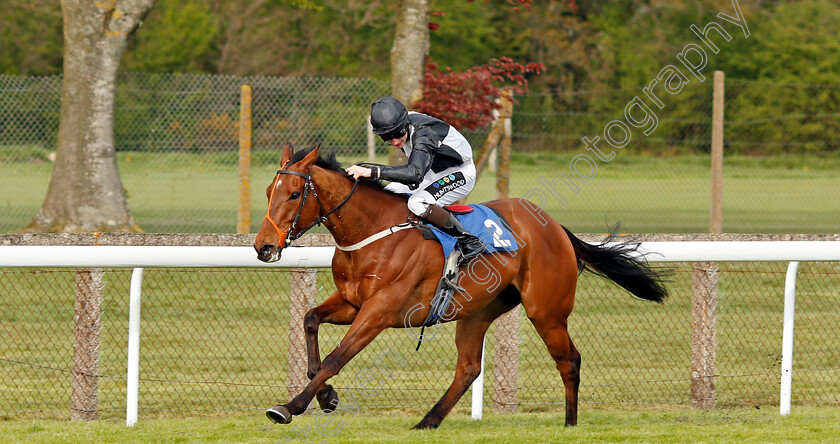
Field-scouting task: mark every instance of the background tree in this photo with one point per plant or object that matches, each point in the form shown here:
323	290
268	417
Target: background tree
181	40
409	52
595	53
30	37
85	192
260	36
408	55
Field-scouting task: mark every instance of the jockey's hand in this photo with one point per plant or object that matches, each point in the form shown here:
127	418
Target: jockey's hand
358	171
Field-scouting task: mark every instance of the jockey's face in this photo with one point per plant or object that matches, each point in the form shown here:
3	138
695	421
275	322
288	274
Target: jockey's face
398	142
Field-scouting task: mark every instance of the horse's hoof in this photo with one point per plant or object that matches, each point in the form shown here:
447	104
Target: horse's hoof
422	425
329	401
279	414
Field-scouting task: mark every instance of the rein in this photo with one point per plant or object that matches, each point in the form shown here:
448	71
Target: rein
287	236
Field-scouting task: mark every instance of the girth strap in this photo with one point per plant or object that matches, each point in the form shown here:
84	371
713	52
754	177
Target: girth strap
375	237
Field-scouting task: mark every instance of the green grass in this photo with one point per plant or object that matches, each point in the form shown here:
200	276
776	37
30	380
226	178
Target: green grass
815	425
197	192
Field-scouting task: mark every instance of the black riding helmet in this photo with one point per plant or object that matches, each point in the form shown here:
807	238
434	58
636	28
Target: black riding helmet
388	117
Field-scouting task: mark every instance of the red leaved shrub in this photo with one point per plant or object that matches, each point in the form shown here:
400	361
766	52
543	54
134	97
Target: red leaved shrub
466	99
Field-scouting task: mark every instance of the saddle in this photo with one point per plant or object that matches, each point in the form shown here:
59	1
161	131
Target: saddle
459	209
486	223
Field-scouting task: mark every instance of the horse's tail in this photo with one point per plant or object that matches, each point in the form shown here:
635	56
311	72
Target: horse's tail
618	263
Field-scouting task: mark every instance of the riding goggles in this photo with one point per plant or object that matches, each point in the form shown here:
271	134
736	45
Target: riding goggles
396	134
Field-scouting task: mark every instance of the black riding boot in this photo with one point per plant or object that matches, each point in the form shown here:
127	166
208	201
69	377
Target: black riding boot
470	245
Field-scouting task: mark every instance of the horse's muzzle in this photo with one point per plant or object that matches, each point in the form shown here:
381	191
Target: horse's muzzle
268	253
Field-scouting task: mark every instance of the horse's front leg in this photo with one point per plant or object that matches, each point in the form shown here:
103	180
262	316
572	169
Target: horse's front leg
335	310
367	325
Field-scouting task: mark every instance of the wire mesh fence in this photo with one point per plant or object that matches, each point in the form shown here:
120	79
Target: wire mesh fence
177	135
216	341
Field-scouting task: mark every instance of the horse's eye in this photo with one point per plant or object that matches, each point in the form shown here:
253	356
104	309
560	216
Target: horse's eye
294	195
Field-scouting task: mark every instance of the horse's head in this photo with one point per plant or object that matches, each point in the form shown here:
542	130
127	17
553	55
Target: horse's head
289	209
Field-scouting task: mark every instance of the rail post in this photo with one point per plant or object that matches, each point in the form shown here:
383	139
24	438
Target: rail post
133	364
786	389
703	333
506	359
86	326
503	174
704	274
371	140
243	219
477	406
301	298
716	212
506	363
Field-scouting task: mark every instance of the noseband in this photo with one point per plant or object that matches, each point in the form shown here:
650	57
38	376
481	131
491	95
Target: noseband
287	236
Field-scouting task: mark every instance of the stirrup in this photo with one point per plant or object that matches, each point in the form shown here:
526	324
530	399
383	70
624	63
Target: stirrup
445	291
473	253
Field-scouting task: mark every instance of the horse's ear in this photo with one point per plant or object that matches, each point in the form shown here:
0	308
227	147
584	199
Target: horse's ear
287	153
311	157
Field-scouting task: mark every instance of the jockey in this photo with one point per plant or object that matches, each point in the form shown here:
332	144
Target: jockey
440	168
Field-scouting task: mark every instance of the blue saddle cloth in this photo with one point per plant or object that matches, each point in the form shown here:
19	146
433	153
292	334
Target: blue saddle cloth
484	223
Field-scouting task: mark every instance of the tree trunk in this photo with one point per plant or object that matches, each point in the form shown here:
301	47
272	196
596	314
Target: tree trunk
408	56
85	192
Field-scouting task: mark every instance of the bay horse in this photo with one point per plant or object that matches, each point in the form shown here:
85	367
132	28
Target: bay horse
380	284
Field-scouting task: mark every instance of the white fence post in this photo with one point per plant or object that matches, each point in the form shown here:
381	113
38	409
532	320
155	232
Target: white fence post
133	376
787	339
478	389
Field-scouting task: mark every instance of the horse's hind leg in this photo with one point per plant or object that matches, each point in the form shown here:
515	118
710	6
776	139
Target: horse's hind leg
469	337
566	357
548	294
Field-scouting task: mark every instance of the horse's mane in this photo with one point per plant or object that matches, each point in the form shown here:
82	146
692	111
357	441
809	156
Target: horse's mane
329	162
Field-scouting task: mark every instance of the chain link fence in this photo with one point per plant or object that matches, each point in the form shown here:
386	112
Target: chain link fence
177	143
216	341
777	139
177	140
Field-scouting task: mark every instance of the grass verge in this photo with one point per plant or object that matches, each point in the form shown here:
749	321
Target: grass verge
654	426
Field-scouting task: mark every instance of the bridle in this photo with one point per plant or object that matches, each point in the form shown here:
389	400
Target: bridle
287	236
